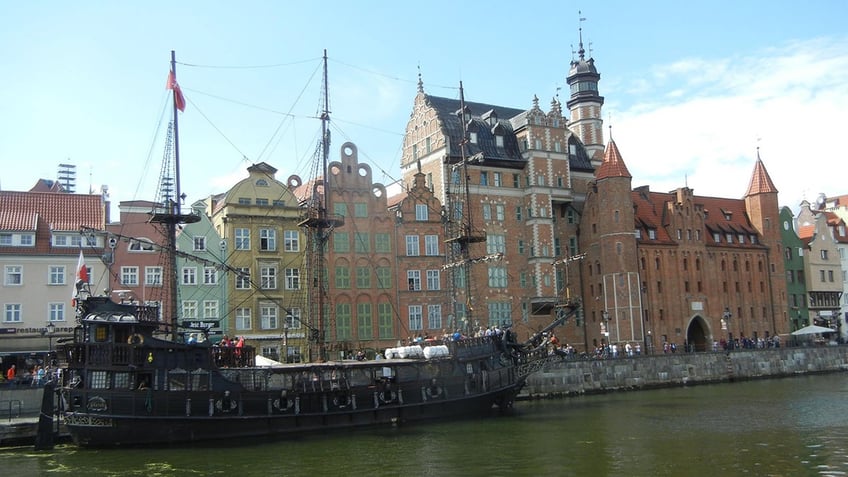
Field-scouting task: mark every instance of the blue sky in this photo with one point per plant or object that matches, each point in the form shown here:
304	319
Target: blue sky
691	89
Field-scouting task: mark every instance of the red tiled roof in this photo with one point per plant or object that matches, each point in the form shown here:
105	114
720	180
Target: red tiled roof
760	181
836	225
613	164
722	215
806	232
396	199
58	211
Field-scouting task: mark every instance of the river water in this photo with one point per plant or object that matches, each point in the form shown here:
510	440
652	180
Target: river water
783	427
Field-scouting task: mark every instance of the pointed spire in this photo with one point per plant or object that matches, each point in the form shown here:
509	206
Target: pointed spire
760	181
420	81
613	165
581	51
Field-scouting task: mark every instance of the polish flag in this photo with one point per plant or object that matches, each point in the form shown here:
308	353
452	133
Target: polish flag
82	275
82	270
179	99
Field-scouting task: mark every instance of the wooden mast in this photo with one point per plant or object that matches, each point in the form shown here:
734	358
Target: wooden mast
168	212
461	233
319	224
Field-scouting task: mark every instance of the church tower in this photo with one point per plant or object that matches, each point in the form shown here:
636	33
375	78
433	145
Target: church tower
585	104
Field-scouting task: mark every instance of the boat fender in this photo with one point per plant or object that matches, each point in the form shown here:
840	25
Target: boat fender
434	391
284	403
387	396
135	339
341	400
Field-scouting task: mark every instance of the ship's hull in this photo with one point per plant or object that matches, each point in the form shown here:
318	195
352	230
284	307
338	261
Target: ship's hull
109	430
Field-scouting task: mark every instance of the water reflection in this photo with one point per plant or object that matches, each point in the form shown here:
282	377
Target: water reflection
786	427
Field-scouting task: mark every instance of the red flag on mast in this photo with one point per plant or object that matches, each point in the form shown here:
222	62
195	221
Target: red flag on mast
82	276
82	270
179	99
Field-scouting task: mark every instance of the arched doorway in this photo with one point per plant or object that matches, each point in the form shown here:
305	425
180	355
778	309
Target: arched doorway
696	335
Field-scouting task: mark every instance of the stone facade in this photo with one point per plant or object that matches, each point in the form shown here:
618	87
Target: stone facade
645	372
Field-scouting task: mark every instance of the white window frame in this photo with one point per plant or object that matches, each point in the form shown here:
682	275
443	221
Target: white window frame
291	240
412	247
129	276
267	240
243	319
153	276
211	309
188	277
415	317
210	276
431	245
293	318
242	278
434	317
189	311
434	280
268	277
413	280
292	281
269	316
56	275
422	212
242	238
13	313
14	276
56	312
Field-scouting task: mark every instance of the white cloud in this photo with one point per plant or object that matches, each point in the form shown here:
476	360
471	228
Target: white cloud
791	101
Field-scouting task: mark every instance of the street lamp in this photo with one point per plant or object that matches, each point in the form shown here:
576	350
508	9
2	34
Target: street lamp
51	328
726	316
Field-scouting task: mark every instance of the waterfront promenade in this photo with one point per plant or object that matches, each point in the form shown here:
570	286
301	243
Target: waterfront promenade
587	376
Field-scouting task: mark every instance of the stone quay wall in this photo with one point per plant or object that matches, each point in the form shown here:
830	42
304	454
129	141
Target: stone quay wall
590	376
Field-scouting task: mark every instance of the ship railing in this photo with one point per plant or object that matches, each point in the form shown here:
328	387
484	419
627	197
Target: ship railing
470	347
233	357
106	354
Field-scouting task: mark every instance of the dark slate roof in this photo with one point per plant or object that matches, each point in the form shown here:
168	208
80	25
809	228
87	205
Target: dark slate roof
447	108
510	153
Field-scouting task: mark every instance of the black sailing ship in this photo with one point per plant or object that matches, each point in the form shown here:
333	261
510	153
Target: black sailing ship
125	383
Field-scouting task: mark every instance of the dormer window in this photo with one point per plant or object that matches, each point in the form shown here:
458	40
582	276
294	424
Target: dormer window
499	141
716	237
652	234
141	245
472	136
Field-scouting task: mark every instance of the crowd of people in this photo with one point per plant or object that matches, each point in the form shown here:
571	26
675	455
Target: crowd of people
38	375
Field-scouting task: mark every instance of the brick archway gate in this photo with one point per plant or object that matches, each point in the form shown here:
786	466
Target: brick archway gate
696	335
